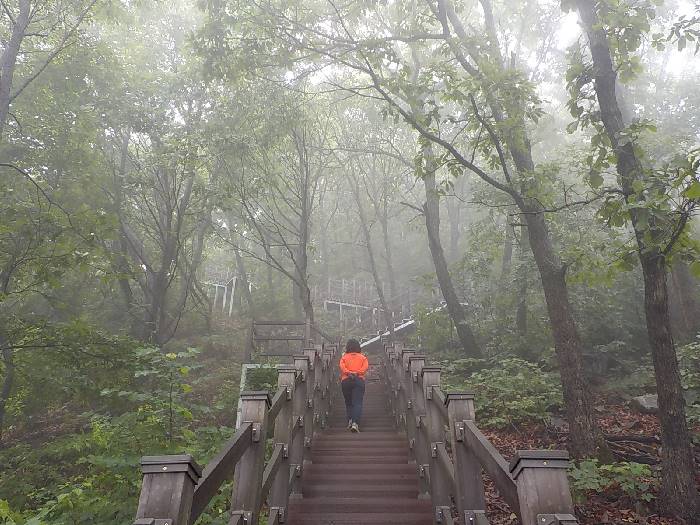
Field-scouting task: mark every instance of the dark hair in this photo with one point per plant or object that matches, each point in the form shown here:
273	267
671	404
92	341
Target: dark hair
352	345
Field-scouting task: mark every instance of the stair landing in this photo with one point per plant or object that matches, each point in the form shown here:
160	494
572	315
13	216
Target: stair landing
363	478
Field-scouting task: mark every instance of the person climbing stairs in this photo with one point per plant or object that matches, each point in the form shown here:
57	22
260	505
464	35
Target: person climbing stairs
360	478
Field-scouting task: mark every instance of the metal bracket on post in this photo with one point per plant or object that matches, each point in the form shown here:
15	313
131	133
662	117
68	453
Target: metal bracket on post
443	515
280	511
256	432
411	443
475	517
241	517
307	442
433	450
459	431
409	404
556	519
424	472
310	403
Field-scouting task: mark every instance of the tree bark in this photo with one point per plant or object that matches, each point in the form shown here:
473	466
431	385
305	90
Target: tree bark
370	255
453	215
507	255
245	284
431	211
679	493
523	271
7	381
683	303
8	60
383	217
585	436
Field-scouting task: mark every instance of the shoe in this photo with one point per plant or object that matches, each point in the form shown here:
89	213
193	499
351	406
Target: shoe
349	424
354	427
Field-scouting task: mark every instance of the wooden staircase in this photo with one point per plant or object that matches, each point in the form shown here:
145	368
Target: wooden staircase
293	461
365	478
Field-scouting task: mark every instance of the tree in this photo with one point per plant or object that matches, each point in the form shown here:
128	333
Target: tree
657	229
49	26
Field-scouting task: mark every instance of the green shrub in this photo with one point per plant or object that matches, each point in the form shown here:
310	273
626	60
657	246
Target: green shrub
510	391
633	480
263	378
434	331
689	362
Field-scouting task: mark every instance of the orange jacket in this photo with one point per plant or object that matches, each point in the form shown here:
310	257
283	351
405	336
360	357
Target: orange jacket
353	363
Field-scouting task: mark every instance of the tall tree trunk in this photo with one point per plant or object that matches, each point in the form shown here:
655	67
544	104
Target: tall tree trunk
383	217
507	254
8	60
586	439
684	306
679	494
453	215
370	255
245	284
7	381
431	211
523	271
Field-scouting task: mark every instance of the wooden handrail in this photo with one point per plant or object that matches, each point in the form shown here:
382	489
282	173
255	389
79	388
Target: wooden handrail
219	469
534	485
492	462
272	467
445	461
282	396
439	399
177	491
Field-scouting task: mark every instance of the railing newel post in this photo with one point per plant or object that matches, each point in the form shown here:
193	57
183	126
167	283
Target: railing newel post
469	487
297	452
311	405
542	484
248	475
421	444
279	492
167	489
439	480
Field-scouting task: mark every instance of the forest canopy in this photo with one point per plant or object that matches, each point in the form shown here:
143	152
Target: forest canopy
520	178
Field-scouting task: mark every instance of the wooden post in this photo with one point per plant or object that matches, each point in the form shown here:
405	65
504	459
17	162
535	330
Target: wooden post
328	376
543	488
279	492
421	445
407	392
309	412
167	488
439	482
296	454
469	487
247	479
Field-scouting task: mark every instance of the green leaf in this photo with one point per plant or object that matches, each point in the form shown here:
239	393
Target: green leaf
693	192
695	269
595	180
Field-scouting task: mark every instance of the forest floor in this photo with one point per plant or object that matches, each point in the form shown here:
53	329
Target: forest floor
632	437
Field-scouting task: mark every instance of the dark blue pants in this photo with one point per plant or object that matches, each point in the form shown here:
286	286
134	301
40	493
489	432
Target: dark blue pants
353	392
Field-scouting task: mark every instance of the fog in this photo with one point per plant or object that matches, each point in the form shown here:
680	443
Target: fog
199	187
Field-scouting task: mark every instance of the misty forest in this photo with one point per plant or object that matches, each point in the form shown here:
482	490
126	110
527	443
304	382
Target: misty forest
498	197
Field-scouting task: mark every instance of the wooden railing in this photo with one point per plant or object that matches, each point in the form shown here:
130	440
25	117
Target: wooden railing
176	491
534	484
